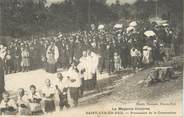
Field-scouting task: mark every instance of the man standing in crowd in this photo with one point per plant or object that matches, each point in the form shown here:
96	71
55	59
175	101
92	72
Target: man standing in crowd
102	56
2	83
16	62
134	58
62	55
109	62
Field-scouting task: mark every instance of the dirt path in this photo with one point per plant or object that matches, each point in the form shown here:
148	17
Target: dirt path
115	91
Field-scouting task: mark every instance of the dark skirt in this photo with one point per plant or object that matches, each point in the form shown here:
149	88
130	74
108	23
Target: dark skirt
49	106
51	68
74	92
2	85
63	101
134	61
87	84
37	113
25	62
90	84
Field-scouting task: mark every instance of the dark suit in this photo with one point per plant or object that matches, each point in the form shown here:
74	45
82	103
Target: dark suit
2	84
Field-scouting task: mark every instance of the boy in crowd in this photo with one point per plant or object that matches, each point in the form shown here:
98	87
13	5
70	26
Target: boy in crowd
48	97
34	99
74	84
22	103
62	89
8	106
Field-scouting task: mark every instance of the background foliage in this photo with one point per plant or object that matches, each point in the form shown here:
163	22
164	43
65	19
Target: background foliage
29	17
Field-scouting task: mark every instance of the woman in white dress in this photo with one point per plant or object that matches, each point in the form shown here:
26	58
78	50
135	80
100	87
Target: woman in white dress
147	55
25	63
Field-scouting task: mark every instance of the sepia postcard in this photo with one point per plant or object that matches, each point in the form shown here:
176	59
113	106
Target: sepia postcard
91	58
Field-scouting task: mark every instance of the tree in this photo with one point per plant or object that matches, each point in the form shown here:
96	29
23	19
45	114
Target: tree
29	17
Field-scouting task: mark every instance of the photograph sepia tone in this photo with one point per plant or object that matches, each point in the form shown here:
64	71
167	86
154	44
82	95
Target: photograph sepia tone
91	58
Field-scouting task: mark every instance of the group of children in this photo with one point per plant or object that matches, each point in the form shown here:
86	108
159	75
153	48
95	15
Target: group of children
39	102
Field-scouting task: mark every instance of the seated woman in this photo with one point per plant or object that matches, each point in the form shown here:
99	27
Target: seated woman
48	97
8	106
22	103
35	101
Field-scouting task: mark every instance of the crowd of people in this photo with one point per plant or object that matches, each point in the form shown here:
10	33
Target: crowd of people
114	47
83	54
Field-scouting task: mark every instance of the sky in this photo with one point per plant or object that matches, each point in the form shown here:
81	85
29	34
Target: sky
108	1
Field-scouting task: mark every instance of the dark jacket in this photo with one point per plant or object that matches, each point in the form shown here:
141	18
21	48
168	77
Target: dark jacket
2	84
